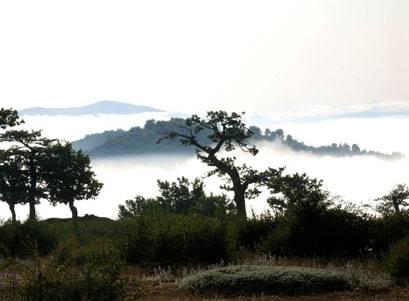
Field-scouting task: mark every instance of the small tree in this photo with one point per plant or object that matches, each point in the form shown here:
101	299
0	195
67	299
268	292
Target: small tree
296	190
68	176
180	197
31	145
217	132
395	202
13	180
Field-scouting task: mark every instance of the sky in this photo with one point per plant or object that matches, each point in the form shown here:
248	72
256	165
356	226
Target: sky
200	55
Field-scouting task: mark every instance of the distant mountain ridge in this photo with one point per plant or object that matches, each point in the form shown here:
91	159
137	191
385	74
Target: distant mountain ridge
97	108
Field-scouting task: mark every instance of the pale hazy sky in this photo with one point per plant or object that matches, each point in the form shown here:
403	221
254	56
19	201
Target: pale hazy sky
197	55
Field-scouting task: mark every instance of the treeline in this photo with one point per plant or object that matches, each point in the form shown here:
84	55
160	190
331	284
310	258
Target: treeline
143	140
34	168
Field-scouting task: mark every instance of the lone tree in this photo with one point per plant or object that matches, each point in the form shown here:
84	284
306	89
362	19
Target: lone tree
395	202
68	176
217	132
13	180
31	146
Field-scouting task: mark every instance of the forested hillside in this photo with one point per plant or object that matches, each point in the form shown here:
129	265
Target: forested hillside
143	140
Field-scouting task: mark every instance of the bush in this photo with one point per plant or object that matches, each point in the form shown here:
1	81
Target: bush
397	261
171	239
387	230
71	252
252	233
19	240
311	231
250	280
84	273
85	229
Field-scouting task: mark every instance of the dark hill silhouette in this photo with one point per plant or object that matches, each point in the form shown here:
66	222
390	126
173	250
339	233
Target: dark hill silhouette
143	140
101	107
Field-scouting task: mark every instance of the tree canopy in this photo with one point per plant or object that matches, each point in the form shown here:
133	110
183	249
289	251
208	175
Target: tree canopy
223	132
14	180
68	176
9	118
395	202
181	197
294	190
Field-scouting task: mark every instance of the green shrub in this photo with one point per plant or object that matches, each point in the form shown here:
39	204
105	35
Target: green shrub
171	239
252	233
387	230
19	240
85	229
254	280
83	273
397	261
324	232
97	252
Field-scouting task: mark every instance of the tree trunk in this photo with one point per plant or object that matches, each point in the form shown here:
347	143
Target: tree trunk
240	201
13	213
33	188
73	209
32	215
238	188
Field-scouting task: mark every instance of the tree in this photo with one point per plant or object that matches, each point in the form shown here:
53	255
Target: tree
395	202
30	145
9	118
69	176
296	190
217	132
180	197
13	180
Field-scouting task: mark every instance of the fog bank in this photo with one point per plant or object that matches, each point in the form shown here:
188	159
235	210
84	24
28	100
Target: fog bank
357	179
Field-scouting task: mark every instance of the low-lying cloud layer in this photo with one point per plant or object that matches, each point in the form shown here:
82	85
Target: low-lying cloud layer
357	179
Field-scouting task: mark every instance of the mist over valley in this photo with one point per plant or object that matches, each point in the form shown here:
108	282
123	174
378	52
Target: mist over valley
358	179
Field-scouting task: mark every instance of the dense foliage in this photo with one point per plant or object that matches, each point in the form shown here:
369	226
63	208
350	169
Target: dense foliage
182	197
397	260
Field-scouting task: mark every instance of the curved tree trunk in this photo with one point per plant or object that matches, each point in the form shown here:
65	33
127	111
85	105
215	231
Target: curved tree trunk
238	189
13	212
73	209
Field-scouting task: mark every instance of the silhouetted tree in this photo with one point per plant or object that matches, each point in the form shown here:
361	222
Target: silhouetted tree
181	197
13	180
296	190
30	145
223	132
68	176
395	202
9	118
